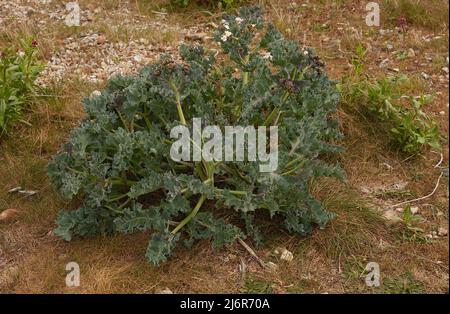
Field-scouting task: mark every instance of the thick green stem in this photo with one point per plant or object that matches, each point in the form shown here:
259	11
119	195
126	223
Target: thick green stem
232	191
246	75
293	161
118	198
125	124
191	215
271	116
178	100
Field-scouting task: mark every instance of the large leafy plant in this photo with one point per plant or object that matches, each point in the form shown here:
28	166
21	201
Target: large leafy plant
117	161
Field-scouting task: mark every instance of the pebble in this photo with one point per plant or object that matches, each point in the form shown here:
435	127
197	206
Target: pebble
391	216
8	214
101	40
442	232
164	291
411	53
137	58
425	75
384	63
96	93
286	255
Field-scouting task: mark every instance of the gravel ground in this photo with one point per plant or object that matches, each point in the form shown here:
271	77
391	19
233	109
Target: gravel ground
89	54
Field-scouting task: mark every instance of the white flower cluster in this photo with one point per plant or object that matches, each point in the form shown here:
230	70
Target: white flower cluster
225	24
227	33
267	56
225	36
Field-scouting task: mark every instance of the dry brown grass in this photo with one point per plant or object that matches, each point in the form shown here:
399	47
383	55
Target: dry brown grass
330	260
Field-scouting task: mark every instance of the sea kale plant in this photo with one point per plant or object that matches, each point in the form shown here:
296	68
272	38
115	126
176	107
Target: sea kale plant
117	162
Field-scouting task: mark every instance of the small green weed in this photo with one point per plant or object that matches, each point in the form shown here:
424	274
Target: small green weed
252	286
18	71
402	285
409	127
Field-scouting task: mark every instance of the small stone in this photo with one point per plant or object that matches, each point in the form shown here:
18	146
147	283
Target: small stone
384	63
137	58
442	232
164	291
387	166
445	69
278	251
389	47
8	214
391	216
400	185
414	210
101	40
411	53
287	255
425	75
96	93
442	113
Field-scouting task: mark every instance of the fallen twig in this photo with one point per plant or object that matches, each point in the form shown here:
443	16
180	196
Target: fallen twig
252	253
242	268
423	197
440	161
